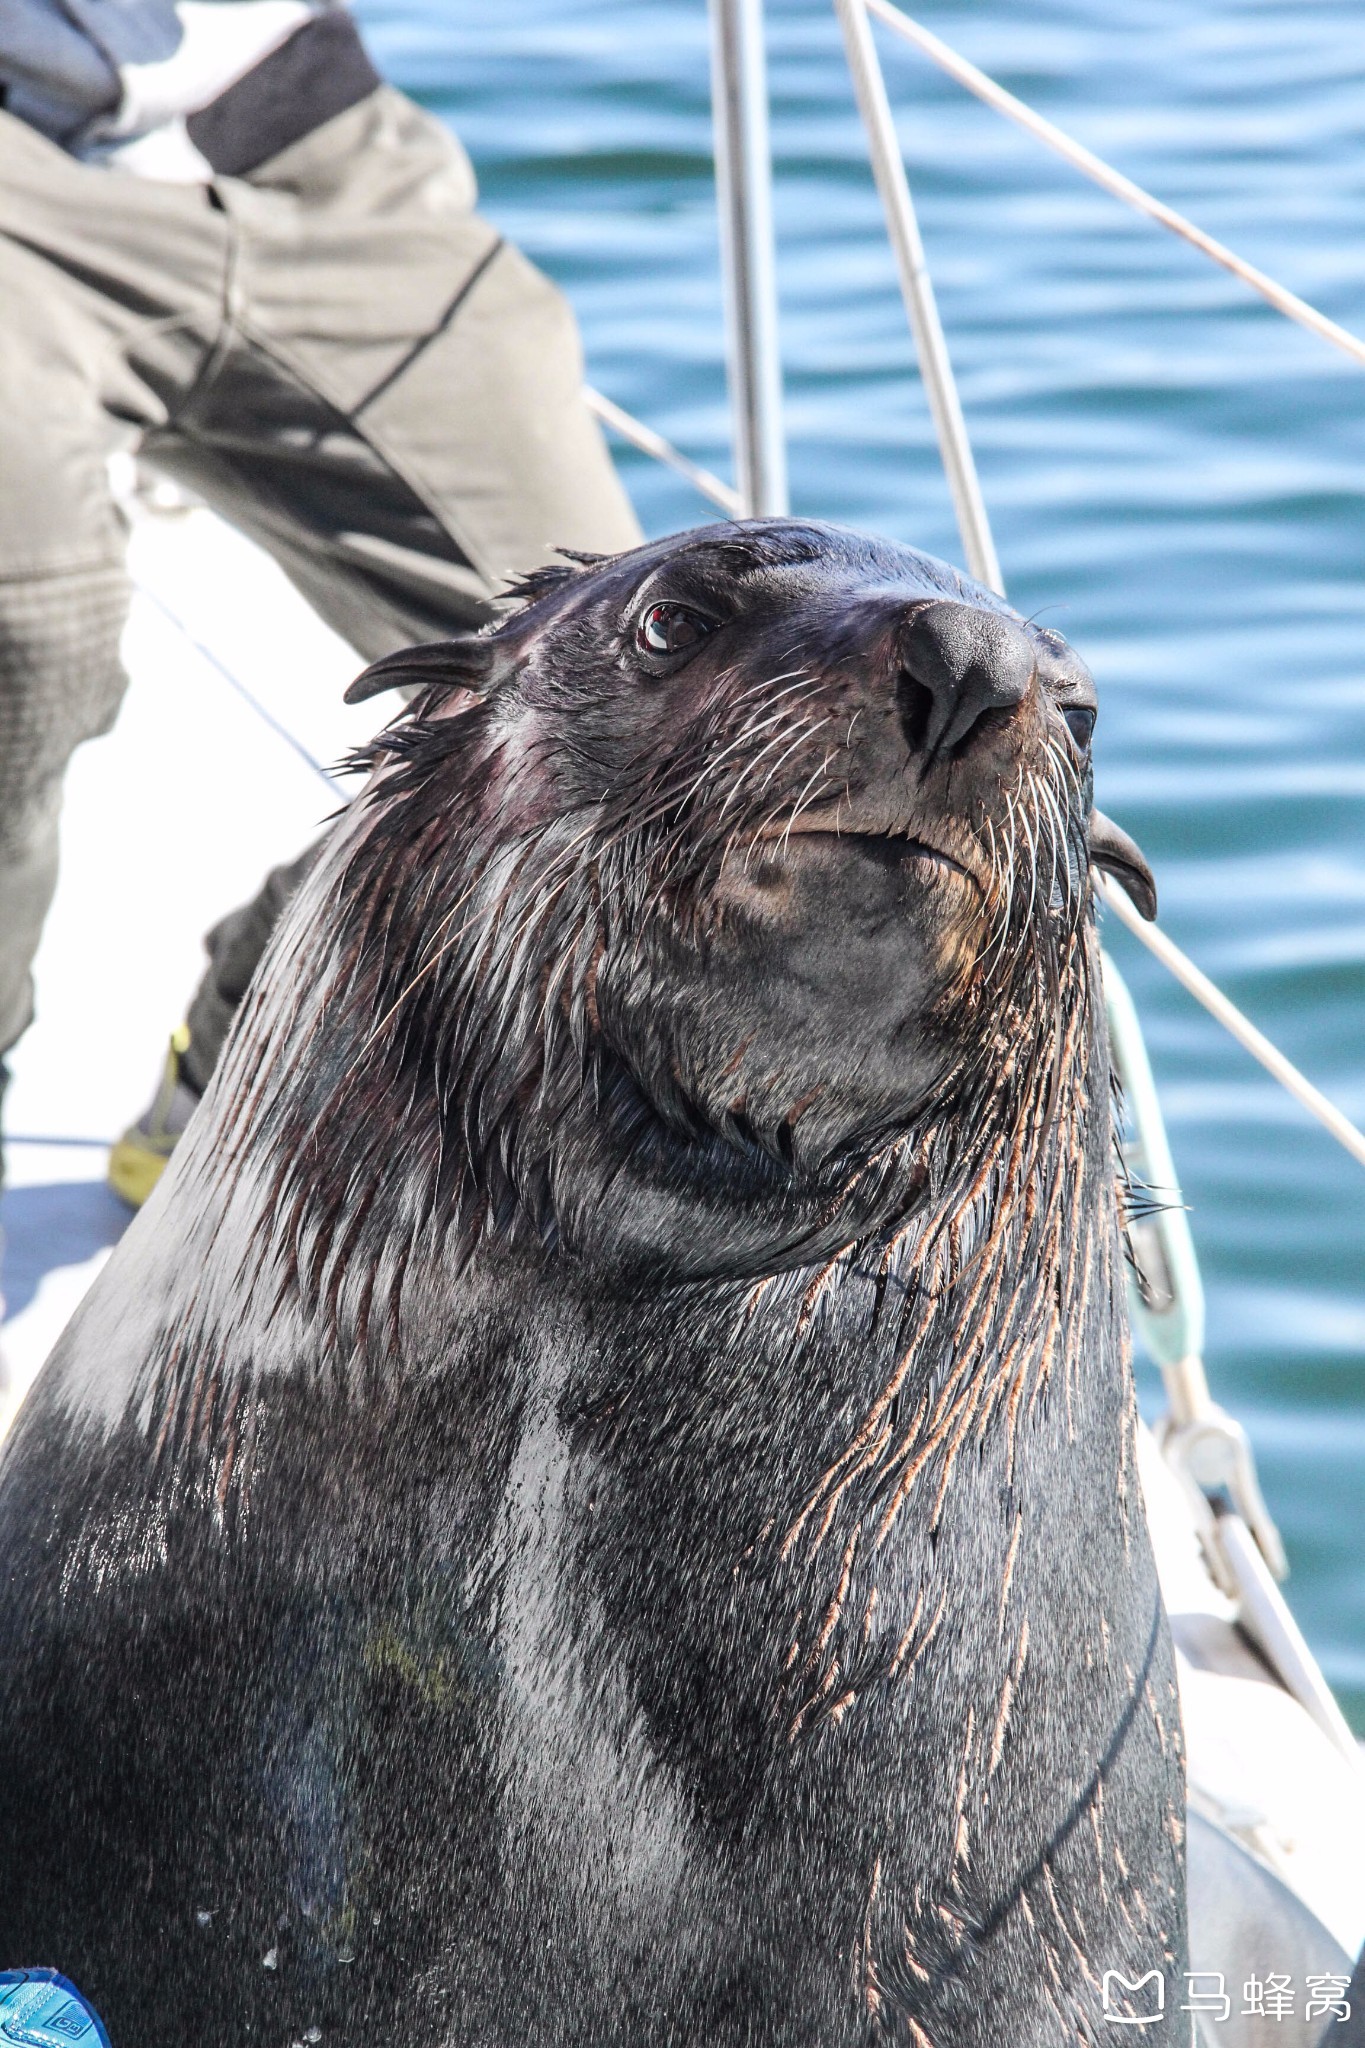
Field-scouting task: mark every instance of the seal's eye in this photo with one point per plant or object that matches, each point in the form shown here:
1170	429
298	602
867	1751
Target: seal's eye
670	629
1080	723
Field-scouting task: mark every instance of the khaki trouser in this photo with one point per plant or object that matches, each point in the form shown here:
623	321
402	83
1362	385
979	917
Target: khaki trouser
339	355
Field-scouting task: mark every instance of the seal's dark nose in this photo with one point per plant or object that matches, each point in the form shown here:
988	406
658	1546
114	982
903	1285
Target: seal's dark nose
956	664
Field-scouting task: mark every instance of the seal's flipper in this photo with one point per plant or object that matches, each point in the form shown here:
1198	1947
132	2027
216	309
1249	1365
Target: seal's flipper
1122	857
462	664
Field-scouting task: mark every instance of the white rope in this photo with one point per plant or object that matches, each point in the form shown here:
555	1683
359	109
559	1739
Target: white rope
1231	1018
1094	167
649	443
917	289
234	682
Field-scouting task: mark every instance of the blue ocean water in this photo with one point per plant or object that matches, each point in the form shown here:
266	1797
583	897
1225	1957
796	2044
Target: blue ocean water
1175	475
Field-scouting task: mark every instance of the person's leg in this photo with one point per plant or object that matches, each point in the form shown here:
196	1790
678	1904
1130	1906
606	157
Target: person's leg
96	270
63	596
400	419
62	601
111	300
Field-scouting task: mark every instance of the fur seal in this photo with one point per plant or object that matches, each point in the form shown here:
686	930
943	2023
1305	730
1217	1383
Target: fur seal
596	1505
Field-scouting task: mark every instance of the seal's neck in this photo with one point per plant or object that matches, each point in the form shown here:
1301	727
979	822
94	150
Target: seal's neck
853	1414
866	1542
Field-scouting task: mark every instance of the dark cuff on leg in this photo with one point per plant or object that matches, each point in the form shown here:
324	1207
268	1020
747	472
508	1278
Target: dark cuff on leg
318	73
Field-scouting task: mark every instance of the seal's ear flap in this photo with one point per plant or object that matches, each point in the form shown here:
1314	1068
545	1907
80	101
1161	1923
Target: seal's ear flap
463	664
1122	857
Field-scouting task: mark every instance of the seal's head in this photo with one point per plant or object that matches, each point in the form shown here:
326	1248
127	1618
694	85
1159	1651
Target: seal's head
754	840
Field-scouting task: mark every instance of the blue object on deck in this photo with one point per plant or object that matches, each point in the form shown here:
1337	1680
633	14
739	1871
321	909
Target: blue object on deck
39	2009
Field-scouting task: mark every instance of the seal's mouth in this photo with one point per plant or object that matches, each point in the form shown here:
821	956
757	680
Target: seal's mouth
887	849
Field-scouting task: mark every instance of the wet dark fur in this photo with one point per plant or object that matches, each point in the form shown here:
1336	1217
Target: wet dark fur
597	1505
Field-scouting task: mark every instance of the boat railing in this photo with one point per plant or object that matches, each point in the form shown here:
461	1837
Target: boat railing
1206	1448
752	319
1095	168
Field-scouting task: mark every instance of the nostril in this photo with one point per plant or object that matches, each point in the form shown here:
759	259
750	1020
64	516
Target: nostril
915	703
995	718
